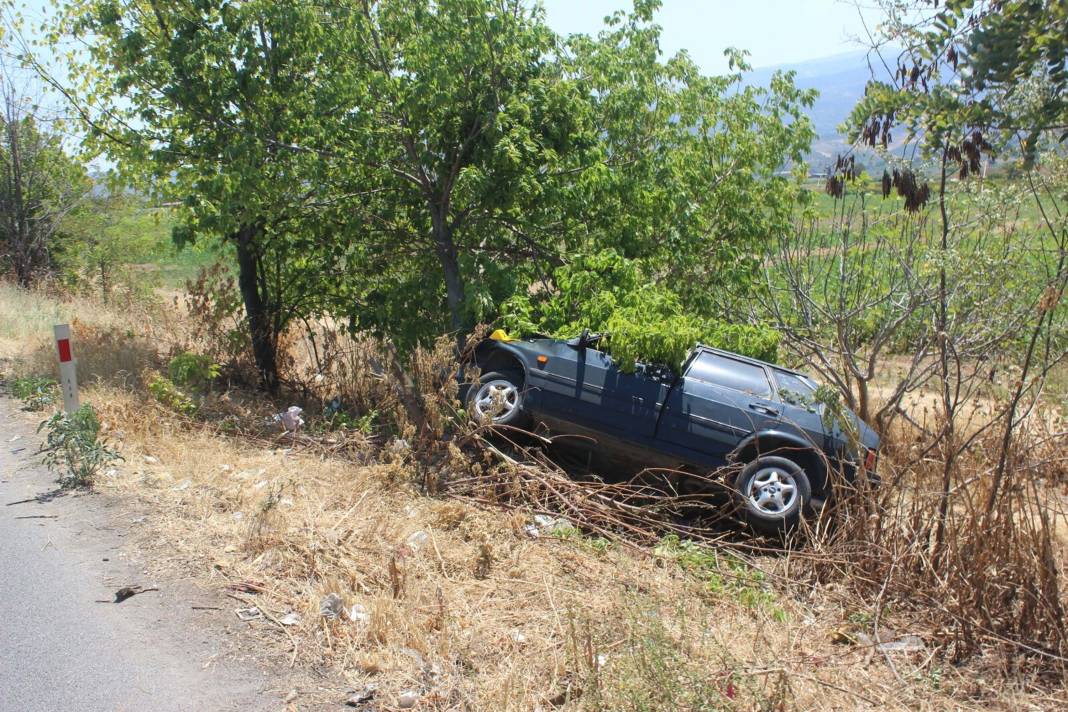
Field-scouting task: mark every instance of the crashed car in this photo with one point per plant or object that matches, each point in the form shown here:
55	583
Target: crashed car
754	423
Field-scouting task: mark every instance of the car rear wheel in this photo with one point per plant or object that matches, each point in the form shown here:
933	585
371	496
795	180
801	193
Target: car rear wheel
772	492
497	399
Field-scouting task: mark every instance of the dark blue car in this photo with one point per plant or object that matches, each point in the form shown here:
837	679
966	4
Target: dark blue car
724	409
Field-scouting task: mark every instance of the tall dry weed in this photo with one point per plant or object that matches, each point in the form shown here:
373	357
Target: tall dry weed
994	582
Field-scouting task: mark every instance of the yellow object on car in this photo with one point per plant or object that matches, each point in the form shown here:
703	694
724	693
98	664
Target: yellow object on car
501	335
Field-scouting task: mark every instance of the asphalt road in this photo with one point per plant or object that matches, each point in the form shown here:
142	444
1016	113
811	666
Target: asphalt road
61	650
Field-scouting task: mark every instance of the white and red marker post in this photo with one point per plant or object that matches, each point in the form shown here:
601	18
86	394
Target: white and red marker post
68	372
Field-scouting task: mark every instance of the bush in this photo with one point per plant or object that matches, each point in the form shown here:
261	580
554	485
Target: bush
192	370
39	392
168	394
73	447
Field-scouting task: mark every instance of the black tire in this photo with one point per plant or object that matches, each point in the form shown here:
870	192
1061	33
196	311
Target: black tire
508	396
772	492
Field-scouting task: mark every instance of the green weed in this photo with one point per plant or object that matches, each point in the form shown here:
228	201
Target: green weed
39	392
336	419
168	394
723	574
190	370
597	544
73	447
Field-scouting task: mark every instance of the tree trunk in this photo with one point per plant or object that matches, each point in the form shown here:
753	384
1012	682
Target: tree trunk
450	265
20	228
949	405
257	310
105	285
863	400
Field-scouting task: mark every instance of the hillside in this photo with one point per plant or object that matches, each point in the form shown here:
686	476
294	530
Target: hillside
840	81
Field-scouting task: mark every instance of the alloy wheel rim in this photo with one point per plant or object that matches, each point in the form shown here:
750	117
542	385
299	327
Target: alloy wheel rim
496	400
772	491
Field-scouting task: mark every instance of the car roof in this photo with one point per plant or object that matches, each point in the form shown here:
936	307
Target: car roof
747	359
703	347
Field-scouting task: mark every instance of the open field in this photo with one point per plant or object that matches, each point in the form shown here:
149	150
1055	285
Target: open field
458	603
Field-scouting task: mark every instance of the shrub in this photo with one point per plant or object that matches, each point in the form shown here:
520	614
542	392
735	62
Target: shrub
74	449
192	370
39	392
168	394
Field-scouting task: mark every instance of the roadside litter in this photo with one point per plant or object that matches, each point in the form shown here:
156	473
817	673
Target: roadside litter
362	697
331	606
290	419
127	592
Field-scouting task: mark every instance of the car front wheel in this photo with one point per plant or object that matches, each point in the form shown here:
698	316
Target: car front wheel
497	399
771	493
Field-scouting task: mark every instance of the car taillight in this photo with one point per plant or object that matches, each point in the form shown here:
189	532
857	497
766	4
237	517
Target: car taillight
869	461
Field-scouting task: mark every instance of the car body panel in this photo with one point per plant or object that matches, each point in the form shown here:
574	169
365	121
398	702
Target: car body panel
667	420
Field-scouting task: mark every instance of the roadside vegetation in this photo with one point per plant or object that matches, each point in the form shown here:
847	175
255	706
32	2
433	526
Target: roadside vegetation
268	241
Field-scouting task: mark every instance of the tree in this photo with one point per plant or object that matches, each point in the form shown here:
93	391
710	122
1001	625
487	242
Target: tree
976	78
689	179
505	153
205	103
39	185
973	75
458	128
108	230
400	160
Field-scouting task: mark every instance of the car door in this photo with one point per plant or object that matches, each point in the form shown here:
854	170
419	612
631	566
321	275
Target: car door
606	399
719	401
630	403
582	386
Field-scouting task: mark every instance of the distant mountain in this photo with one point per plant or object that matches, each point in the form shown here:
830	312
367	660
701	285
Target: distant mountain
840	81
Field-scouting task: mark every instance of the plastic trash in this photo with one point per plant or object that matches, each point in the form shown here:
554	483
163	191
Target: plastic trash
248	614
290	419
416	540
904	644
331	606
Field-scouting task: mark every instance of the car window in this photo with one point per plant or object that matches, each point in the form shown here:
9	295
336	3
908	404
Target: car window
794	389
723	371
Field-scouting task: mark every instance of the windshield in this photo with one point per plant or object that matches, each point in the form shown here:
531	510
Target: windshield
794	389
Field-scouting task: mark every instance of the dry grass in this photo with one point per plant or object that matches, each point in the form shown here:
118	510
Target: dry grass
462	606
115	342
481	616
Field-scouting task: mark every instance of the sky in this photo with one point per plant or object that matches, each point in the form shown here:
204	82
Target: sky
774	31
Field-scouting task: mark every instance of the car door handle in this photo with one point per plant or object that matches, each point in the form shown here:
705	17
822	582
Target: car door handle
639	400
760	408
